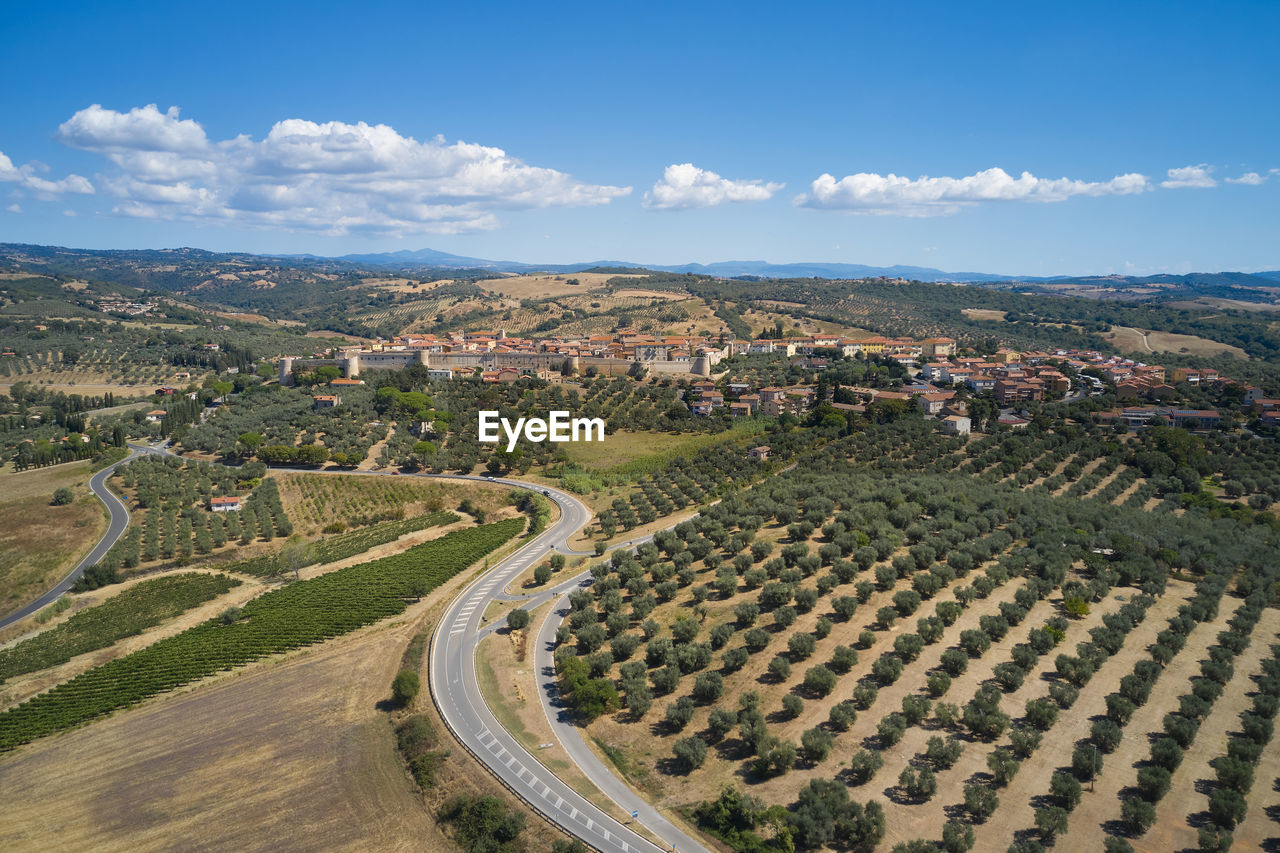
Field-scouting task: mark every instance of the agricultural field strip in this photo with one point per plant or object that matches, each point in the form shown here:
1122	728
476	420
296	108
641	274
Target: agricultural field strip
889	697
973	761
1261	827
130	612
301	614
1087	469
1104	482
1184	799
24	687
1120	499
1073	724
980	671
758	663
345	545
1102	805
748	673
169	515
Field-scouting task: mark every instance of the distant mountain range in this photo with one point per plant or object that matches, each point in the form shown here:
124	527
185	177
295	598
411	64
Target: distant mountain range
408	260
185	268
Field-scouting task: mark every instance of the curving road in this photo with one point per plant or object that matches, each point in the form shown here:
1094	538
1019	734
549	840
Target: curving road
456	690
455	686
115	529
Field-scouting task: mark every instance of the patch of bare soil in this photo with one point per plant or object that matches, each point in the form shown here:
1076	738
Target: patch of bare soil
1084	472
292	754
982	313
1120	499
907	821
1101	805
1188	799
1016	811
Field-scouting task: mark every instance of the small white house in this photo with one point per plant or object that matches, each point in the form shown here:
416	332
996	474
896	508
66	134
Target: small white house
225	504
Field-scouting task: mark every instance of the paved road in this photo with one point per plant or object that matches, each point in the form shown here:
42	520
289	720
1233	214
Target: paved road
570	738
456	689
455	685
115	529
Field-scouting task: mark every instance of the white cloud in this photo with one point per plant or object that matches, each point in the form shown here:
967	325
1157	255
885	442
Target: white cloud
26	177
684	185
14	208
1251	179
140	129
332	177
1190	177
867	192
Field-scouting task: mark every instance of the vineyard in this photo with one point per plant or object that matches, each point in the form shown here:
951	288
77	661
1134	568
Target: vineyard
171	500
297	615
296	556
124	615
318	501
916	621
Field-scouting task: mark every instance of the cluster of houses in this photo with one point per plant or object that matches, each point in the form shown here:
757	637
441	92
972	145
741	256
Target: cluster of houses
1012	377
740	399
704	398
626	345
131	309
904	350
1267	410
1139	417
636	346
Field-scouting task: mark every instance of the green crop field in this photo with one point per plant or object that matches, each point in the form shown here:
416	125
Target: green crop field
131	612
296	615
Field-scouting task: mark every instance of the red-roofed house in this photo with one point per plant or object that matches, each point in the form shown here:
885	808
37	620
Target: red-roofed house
224	504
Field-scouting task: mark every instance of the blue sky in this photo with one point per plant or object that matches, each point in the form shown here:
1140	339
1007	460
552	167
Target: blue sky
656	132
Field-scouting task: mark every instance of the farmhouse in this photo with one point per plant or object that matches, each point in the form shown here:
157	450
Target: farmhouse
224	504
956	425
